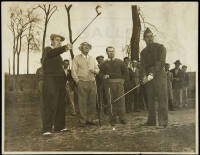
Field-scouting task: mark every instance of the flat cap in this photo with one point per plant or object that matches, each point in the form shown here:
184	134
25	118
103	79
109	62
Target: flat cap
99	57
177	62
57	35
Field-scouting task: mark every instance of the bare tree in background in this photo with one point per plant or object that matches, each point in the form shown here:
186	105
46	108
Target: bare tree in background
49	10
135	39
32	36
18	25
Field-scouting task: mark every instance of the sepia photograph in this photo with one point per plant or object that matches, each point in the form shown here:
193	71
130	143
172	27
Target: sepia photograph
99	77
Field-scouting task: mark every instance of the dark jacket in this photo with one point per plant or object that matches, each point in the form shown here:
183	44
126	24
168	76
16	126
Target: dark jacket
115	69
52	61
152	59
177	79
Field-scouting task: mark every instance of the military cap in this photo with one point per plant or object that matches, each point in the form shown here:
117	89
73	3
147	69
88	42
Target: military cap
57	35
147	31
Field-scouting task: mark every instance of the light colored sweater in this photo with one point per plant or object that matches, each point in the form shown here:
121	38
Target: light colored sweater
83	68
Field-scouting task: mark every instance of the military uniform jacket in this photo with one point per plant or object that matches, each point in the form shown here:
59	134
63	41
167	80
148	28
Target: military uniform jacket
152	59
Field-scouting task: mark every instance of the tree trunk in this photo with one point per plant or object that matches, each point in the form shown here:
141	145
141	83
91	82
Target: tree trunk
28	49
70	29
14	63
135	39
44	38
18	63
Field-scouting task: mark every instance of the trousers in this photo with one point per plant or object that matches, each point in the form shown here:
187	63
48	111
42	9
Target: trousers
156	90
87	92
117	108
177	93
53	105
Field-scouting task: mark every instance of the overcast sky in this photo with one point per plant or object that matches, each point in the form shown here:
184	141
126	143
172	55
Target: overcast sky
177	23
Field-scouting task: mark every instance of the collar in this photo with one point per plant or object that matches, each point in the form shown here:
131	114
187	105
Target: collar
84	56
110	59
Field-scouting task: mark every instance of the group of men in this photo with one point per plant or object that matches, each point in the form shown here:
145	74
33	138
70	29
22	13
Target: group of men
104	83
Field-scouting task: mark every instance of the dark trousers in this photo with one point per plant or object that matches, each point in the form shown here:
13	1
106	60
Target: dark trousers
53	106
117	108
87	92
129	97
136	99
157	89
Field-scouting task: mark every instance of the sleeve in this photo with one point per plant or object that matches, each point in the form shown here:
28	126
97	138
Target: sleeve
96	68
74	70
50	53
142	71
160	63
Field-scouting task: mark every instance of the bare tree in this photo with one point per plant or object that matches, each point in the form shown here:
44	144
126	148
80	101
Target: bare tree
19	24
49	10
33	43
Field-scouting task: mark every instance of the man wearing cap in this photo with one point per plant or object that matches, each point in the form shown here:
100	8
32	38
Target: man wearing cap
169	86
114	72
152	63
84	69
177	84
185	83
53	108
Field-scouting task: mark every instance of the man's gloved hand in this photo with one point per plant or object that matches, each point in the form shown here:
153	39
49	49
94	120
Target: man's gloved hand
146	79
150	77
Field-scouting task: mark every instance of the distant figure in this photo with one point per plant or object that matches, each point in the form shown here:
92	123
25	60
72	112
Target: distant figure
70	86
114	72
54	86
128	84
84	69
177	84
185	85
101	99
169	86
136	81
152	63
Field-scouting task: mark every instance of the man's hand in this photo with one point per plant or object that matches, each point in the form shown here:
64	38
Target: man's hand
146	79
68	47
106	76
92	71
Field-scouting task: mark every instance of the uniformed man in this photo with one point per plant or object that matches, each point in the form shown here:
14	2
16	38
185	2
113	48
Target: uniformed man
177	84
169	86
84	69
114	72
54	86
152	63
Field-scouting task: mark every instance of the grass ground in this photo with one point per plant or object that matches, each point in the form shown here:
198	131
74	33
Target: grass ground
23	124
